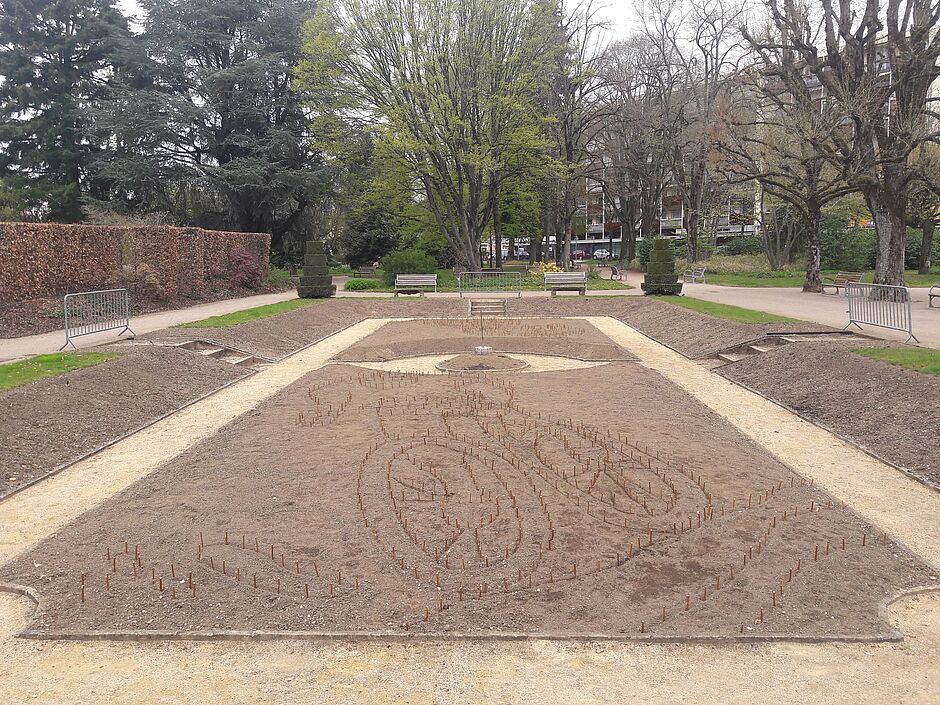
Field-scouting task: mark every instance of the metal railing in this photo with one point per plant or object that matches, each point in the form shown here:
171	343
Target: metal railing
96	311
882	306
489	283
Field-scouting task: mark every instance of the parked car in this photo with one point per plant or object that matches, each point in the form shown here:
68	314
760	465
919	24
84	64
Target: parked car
602	255
579	254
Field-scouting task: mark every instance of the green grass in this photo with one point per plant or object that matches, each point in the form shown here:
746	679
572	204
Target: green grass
14	374
730	313
790	278
235	318
924	360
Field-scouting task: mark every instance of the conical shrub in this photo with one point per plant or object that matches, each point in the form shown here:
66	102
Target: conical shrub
315	281
661	276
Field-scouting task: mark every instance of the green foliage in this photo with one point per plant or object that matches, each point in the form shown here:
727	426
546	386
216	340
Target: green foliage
844	248
235	318
370	233
279	278
56	56
14	374
643	249
661	276
406	262
364	285
744	246
924	360
214	130
915	239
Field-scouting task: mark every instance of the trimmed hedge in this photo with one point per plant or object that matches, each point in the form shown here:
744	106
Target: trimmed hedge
661	277
50	259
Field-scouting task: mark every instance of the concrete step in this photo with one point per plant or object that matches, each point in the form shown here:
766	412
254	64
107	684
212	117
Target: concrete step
732	357
760	348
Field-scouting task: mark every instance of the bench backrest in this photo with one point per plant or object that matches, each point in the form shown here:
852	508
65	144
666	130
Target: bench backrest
366	270
565	278
698	270
848	278
415	280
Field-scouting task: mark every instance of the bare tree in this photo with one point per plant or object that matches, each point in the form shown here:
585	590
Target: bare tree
875	63
700	49
577	105
771	132
633	146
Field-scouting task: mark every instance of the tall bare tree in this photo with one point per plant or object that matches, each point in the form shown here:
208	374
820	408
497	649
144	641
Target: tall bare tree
700	49
770	132
632	146
875	62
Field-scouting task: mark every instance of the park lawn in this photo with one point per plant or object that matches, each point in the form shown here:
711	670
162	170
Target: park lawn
235	318
926	360
790	278
15	374
730	313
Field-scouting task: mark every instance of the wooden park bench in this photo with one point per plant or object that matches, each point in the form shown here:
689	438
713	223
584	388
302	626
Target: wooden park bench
414	283
615	273
566	281
841	281
366	271
694	273
934	293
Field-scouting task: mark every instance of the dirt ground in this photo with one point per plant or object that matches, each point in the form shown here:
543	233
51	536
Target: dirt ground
550	504
891	411
52	421
571	338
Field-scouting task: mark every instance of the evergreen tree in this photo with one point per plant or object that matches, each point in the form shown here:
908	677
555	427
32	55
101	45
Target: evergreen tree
55	57
219	135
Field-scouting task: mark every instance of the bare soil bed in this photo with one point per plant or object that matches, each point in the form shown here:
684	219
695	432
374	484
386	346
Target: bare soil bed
594	502
539	336
890	411
482	363
52	421
276	336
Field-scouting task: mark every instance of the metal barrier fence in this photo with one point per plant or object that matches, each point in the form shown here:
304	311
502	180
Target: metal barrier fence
490	282
95	311
882	306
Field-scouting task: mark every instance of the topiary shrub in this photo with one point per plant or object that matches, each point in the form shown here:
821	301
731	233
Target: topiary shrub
406	262
363	285
661	277
315	281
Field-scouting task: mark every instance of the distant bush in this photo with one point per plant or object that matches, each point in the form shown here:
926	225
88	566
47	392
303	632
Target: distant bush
279	278
244	269
406	262
363	285
744	246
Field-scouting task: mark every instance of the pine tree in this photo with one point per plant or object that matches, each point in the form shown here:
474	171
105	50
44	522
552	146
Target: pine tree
55	57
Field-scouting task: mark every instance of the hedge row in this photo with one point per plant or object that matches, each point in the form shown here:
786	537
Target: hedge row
48	259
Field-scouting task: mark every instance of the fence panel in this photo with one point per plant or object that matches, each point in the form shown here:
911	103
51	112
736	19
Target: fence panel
96	311
882	306
490	283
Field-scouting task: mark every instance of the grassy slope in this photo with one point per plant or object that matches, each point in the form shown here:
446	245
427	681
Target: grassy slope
760	279
14	374
925	360
731	313
249	314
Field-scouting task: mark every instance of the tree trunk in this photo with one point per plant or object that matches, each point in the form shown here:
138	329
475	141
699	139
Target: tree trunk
691	236
813	281
498	238
926	245
891	229
566	246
